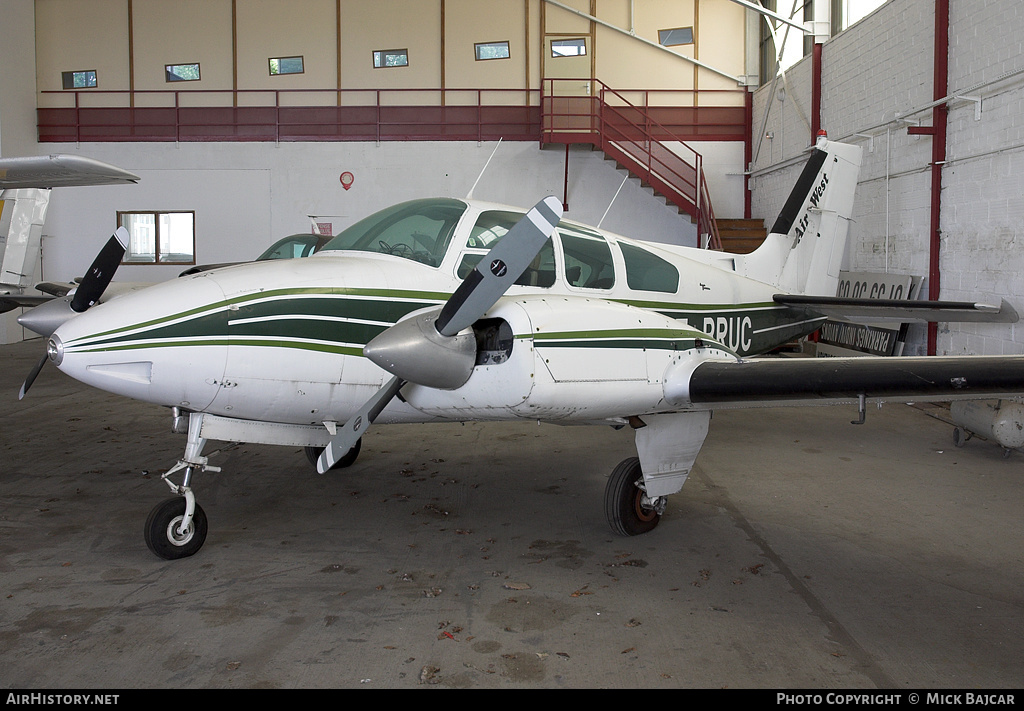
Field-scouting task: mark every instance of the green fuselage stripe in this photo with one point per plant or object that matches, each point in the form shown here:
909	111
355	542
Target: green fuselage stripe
344	320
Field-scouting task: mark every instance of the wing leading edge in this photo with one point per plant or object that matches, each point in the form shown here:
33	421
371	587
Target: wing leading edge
56	171
782	381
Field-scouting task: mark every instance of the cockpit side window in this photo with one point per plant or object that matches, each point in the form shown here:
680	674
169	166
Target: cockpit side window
419	230
588	259
648	272
490	227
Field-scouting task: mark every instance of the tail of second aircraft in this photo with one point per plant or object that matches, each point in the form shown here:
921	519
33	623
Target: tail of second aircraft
804	248
22	214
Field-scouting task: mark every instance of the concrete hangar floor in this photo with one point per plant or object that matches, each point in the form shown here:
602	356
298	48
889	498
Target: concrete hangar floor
804	552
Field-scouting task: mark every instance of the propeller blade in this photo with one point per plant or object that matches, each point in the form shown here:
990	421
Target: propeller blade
353	429
497	271
95	281
32	377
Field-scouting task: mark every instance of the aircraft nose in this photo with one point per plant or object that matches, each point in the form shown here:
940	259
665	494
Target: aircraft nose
144	344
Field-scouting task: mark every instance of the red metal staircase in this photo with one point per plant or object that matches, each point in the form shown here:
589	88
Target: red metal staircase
633	137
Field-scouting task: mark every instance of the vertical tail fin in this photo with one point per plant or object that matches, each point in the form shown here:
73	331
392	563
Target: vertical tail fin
22	213
804	248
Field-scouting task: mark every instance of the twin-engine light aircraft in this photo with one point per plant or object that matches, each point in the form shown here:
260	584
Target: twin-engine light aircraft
443	310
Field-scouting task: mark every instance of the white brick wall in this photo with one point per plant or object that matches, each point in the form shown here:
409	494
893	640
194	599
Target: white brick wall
882	68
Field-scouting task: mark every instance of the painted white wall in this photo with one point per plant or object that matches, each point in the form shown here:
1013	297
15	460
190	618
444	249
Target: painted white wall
877	70
248	195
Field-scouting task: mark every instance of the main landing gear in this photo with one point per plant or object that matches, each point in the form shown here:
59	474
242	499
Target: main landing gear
628	508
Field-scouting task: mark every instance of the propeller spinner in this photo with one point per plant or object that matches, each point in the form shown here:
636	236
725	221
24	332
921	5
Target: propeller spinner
430	349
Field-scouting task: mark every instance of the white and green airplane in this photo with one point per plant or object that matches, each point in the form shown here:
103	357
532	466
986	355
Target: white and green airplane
446	310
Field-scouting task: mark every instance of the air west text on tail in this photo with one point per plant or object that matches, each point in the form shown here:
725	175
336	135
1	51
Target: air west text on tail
442	310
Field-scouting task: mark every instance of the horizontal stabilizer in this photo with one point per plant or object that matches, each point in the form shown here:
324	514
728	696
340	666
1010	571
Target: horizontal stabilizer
769	381
56	171
901	309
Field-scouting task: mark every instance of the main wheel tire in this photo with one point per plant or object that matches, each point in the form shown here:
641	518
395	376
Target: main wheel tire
959	437
313	454
623	501
162	535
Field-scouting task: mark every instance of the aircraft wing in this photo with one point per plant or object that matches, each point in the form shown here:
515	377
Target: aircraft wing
901	309
790	381
9	302
55	171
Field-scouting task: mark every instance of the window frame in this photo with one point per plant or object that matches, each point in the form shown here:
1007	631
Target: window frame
383	54
168	74
122	214
580	42
64	76
499	43
280	60
664	35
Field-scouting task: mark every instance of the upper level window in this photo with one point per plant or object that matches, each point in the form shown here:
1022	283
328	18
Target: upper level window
181	72
491	50
675	36
84	79
385	58
286	65
490	227
648	272
569	47
159	237
588	259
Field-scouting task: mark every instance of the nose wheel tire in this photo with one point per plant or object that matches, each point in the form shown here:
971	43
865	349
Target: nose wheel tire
162	530
627	507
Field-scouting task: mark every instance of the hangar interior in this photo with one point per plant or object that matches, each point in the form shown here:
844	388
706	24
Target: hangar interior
260	119
253	151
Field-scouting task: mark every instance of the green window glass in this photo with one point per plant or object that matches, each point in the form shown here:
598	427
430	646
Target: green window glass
648	272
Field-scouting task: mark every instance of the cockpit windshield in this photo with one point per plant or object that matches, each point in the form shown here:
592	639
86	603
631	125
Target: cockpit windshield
419	230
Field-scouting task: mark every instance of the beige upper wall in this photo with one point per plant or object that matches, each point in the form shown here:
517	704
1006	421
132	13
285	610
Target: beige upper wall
232	42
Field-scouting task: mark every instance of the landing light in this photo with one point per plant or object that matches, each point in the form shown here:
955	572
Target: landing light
55	350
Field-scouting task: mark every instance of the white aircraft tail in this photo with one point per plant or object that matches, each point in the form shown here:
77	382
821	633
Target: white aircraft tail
25	184
22	214
804	248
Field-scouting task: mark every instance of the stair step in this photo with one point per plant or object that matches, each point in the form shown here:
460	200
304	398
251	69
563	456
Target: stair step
741	236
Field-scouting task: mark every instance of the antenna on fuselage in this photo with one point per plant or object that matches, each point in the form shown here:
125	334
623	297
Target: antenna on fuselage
469	195
616	195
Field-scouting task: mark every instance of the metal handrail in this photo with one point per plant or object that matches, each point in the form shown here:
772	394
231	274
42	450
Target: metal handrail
662	168
342	99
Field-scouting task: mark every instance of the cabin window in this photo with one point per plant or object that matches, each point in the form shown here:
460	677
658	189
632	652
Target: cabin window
648	272
490	227
159	237
588	259
419	230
